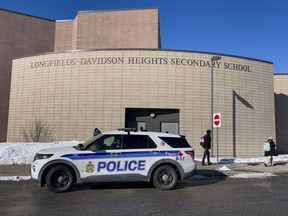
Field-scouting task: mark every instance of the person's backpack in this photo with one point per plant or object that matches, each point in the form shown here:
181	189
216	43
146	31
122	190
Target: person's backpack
266	146
203	140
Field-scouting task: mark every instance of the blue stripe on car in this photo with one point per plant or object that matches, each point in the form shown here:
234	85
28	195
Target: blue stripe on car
101	155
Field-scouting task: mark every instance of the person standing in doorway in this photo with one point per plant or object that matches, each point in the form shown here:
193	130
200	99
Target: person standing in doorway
272	152
206	147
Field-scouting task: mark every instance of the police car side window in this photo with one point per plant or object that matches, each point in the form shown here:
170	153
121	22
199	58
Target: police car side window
134	142
116	142
106	142
152	144
176	142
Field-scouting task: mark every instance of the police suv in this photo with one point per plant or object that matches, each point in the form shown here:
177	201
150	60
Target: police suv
123	155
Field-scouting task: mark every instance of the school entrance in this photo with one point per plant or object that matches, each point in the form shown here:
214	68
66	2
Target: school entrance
158	120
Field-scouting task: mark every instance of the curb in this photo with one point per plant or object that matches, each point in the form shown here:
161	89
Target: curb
15	170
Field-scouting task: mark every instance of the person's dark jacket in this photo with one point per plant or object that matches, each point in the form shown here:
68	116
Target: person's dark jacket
273	150
207	141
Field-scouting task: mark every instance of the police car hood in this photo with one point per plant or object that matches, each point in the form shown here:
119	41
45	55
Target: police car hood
68	149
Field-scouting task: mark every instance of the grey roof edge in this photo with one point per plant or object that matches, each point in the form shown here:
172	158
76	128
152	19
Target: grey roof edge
148	49
281	73
85	11
108	10
122	9
24	14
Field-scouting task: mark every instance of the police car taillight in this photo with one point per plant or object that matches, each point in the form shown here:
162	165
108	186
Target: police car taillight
191	153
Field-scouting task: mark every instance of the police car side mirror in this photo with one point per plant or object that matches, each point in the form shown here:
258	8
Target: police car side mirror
80	146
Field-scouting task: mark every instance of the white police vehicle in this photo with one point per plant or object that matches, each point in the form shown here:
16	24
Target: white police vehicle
123	155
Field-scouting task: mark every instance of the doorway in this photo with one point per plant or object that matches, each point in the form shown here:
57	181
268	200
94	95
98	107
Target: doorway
158	120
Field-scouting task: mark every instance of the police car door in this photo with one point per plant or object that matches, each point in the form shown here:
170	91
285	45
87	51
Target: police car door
138	154
102	159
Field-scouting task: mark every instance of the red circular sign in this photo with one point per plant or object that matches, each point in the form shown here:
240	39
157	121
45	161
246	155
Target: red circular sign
216	120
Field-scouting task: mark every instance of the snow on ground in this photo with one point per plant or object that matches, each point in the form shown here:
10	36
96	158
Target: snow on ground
23	153
224	168
14	178
253	175
282	158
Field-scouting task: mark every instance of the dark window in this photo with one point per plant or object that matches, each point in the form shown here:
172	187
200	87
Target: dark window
152	144
106	142
176	142
137	142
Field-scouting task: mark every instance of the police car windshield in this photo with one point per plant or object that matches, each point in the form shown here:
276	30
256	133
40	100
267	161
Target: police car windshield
88	142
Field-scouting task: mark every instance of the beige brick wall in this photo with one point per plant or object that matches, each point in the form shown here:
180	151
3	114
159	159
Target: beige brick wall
63	35
75	98
135	28
20	35
281	106
23	35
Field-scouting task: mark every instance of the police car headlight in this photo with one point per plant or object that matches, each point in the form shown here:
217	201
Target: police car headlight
42	156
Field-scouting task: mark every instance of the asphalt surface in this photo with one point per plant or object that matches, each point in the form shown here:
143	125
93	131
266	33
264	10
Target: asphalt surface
215	196
211	170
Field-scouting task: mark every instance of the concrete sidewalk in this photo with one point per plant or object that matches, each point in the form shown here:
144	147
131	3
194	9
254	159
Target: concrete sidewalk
211	170
235	168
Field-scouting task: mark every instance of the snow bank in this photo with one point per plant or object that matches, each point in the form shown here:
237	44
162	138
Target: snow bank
23	153
282	158
14	178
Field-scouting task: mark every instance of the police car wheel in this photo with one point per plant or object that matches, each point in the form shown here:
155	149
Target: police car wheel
59	179
165	178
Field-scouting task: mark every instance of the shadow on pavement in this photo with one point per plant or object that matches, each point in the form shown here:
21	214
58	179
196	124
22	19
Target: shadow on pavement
111	185
203	177
253	164
280	163
227	160
209	173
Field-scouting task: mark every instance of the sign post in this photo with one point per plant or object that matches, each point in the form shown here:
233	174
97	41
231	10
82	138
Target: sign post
217	124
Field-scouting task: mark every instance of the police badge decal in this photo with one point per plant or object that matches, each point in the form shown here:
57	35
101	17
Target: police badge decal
90	167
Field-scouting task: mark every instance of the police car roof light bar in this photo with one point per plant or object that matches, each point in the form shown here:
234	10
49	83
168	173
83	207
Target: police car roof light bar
127	129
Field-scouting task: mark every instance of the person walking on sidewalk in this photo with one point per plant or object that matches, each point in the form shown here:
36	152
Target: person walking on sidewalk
206	146
272	152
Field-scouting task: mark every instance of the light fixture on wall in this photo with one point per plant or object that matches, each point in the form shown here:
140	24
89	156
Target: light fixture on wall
152	115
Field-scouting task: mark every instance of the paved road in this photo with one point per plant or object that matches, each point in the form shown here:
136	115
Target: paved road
216	195
210	196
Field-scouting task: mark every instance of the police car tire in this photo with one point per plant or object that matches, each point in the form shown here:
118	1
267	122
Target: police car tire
165	178
59	179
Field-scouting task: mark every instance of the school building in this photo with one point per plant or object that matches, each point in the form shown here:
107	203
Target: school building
106	69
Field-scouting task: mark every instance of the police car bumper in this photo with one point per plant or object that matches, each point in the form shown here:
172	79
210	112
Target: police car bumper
189	174
34	173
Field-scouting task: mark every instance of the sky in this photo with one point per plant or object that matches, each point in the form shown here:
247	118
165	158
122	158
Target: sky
23	154
250	28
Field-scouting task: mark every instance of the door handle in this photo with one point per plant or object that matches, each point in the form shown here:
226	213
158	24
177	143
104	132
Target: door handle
155	151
